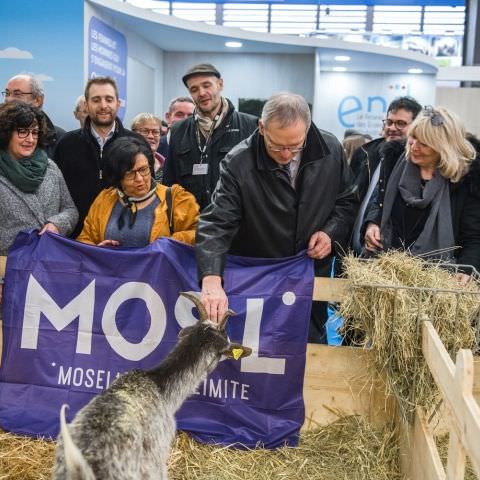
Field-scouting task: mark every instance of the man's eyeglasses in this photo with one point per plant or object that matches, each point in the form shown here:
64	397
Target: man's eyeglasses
436	118
25	132
143	171
399	124
146	131
15	93
278	148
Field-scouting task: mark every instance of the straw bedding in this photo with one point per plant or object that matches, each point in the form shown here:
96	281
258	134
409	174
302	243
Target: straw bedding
388	319
347	449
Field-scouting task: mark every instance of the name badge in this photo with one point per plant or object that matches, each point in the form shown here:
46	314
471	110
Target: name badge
200	168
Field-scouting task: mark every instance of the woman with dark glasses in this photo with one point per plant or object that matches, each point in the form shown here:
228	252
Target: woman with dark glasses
428	200
33	193
136	210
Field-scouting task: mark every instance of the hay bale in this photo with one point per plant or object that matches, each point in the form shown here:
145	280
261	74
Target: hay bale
347	449
25	458
388	319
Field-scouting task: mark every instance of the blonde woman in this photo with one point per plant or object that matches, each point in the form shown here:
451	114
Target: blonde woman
428	200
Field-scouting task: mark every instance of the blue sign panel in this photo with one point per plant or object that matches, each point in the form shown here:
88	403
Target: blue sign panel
107	56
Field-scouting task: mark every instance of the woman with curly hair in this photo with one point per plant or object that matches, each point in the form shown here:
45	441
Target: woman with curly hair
428	200
33	193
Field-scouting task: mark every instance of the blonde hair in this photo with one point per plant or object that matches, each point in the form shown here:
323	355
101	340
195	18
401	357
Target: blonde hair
141	118
444	132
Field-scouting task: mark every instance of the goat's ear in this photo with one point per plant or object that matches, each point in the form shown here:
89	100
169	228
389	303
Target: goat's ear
237	351
223	322
185	331
196	301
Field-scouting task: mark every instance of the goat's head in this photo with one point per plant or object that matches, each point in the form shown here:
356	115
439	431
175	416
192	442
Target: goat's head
231	350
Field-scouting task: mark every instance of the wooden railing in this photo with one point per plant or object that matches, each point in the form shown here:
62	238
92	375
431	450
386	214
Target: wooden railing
455	382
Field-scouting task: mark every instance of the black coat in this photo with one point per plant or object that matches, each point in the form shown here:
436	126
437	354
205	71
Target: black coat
183	152
255	212
54	134
465	206
79	158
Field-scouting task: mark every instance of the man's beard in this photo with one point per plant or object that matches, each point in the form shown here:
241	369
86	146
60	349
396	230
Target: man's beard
103	123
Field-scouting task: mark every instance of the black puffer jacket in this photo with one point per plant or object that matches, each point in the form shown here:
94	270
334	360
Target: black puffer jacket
183	152
255	212
465	205
80	160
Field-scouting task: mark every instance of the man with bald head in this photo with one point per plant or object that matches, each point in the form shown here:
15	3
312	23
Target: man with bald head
199	143
27	88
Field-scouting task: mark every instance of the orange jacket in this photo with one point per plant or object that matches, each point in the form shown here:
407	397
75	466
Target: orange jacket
185	216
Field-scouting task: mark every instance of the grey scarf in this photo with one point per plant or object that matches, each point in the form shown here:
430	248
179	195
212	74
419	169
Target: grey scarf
205	122
437	234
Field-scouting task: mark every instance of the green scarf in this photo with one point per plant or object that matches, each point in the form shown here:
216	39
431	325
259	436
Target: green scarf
26	174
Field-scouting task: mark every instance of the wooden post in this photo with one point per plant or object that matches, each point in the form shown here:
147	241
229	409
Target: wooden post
456	386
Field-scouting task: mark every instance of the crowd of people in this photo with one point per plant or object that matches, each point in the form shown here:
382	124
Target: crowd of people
230	182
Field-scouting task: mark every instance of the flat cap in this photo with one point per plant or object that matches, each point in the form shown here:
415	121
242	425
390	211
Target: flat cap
200	69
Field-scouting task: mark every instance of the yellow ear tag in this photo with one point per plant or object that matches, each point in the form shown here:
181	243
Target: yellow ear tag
237	353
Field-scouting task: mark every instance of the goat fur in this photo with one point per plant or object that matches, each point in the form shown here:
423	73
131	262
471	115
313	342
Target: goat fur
125	432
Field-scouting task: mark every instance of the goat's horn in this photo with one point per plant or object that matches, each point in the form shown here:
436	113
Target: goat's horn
201	309
226	316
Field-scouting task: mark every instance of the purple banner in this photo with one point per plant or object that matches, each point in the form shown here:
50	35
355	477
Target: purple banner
76	316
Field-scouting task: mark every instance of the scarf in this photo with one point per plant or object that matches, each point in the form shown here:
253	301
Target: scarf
26	174
205	123
130	207
437	234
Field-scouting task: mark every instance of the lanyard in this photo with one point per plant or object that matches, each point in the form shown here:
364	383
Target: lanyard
208	138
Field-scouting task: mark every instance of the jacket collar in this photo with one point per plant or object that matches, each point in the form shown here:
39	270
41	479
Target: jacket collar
189	132
119	128
315	149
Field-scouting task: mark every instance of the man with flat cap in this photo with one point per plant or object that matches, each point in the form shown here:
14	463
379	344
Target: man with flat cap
199	143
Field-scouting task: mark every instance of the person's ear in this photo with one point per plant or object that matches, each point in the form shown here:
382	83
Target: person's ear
261	127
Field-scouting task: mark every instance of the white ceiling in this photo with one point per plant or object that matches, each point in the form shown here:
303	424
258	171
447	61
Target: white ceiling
174	34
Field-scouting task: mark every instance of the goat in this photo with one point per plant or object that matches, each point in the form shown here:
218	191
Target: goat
126	431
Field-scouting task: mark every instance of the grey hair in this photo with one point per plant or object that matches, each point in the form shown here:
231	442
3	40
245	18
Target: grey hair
287	109
36	85
79	101
141	118
173	101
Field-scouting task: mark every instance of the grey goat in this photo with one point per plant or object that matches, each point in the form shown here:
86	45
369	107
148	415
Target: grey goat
126	431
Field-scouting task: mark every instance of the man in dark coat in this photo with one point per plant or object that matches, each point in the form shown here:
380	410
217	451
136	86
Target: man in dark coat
199	143
367	158
28	88
79	154
284	189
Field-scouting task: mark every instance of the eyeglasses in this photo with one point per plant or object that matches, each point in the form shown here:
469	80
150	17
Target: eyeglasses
399	124
436	118
143	171
146	131
278	148
25	132
15	93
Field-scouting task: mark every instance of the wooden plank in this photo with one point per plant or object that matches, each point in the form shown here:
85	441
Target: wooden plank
464	409
330	289
337	381
425	460
456	459
3	263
